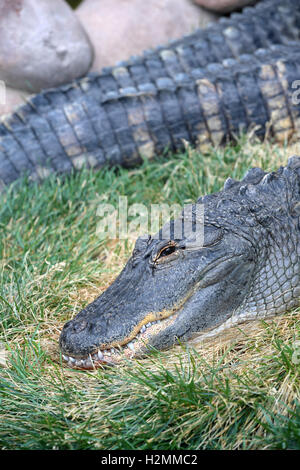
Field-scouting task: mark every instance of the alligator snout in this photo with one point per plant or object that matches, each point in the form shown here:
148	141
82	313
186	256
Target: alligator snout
75	326
73	338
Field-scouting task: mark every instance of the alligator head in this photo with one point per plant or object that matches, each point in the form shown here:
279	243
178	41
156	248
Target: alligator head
171	289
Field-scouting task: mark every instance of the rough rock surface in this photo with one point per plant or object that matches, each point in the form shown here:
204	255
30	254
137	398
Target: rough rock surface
121	28
224	6
42	44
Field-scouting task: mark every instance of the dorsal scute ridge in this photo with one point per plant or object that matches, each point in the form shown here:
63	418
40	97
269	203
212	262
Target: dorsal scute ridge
258	192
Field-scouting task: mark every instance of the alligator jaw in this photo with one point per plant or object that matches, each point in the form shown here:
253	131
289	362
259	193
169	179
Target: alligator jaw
116	353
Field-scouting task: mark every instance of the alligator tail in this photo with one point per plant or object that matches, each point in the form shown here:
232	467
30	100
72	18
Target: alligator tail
205	89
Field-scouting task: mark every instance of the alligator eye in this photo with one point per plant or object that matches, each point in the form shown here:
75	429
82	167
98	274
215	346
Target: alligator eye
168	250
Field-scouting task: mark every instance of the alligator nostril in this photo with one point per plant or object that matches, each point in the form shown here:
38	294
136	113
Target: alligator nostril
78	325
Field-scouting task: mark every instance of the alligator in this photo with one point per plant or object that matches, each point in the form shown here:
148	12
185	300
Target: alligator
245	266
204	89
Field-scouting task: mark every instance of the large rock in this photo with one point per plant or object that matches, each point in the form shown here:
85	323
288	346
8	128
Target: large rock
121	28
42	44
224	6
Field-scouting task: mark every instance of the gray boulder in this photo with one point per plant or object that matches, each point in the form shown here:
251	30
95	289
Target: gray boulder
42	44
121	28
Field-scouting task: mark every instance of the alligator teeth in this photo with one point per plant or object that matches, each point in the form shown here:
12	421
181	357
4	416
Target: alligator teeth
100	355
88	362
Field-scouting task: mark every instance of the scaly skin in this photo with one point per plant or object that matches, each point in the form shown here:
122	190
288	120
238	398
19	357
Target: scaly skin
202	89
248	267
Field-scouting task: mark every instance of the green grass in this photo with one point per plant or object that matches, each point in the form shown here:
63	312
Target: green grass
240	392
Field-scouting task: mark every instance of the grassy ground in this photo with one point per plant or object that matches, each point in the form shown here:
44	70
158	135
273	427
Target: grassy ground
240	390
